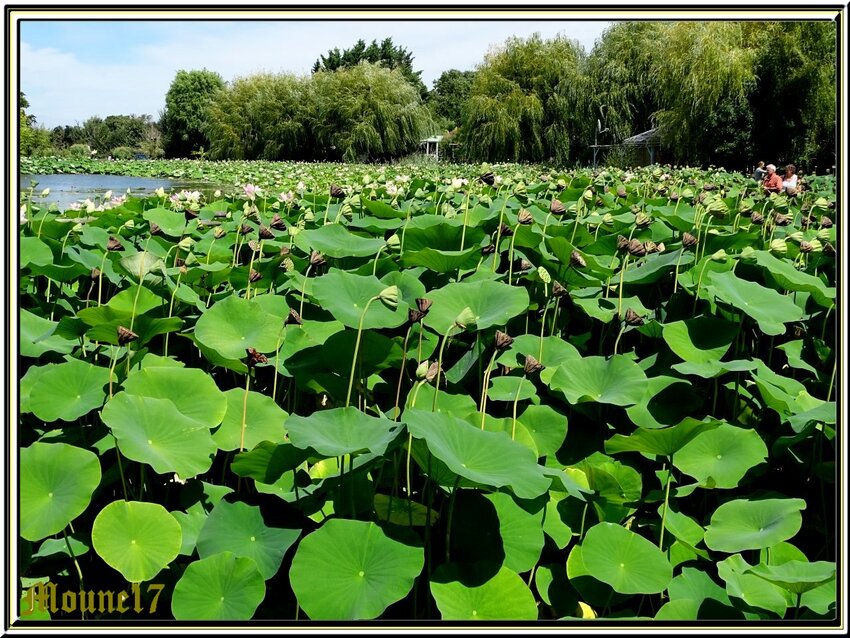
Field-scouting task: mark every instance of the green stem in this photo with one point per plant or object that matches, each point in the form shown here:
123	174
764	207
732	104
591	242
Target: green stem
357	349
620	289
666	500
397	410
282	334
486	383
120	468
244	411
409	447
511	255
516	400
676	275
699	286
463	232
171	311
440	368
449	519
303	288
77	565
499	234
619	334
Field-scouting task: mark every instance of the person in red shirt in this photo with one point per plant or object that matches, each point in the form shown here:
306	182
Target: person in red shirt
773	182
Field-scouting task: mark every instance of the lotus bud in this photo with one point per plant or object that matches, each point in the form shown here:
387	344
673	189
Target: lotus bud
557	207
422	370
503	340
293	318
642	219
129	224
389	296
633	318
219	232
607	219
558	290
622	242
317	259
266	233
544	275
465	318
636	248
587	195
309	216
825	222
336	191
576	260
532	365
688	240
254	357
524	217
113	244
816	245
757	218
394	242
431	374
748	253
125	336
719	256
779	247
824	234
795	237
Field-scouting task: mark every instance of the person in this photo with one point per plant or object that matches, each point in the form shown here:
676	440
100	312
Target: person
789	181
759	173
772	183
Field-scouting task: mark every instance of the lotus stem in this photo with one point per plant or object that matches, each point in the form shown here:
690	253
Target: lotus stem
699	286
516	400
171	310
511	255
250	268
619	334
676	274
99	278
487	372
543	323
499	234
555	316
410	445
282	334
666	500
357	349
244	410
303	288
120	468
831	380
449	521
620	289
463	232
79	571
397	410
375	262
440	368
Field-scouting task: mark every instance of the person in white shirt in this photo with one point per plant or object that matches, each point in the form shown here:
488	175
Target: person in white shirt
789	180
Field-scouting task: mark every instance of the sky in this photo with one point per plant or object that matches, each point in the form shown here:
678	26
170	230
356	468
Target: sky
73	70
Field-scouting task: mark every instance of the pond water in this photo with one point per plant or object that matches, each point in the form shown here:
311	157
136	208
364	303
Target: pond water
65	189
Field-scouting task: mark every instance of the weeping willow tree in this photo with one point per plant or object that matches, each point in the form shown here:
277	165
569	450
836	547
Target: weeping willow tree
367	112
528	102
261	116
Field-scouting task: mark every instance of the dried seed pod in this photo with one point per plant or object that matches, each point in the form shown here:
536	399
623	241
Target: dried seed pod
254	357
489	249
245	229
254	245
317	259
178	261
190	214
336	191
95	273
688	240
488	178
293	318
155	229
642	219
423	304
781	220
576	260
757	218
636	248
125	336
622	242
660	248
219	232
277	222
114	244
828	248
503	340
825	222
557	207
558	290
285	250
674	196
255	276
524	265
220	213
505	230
805	247
266	233
532	365
414	315
432	372
709	187
650	246
633	318
524	217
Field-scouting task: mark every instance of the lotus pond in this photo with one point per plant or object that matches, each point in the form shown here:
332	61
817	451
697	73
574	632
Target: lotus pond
499	394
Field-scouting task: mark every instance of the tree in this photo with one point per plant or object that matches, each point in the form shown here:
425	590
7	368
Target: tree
33	140
385	54
528	102
449	96
366	112
183	122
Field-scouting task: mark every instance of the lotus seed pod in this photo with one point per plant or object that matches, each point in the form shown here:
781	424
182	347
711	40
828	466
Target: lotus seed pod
824	234
293	318
422	370
719	256
95	273
688	193
622	242
245	229
254	357
825	222
336	191
781	220
266	233
423	305
805	247
621	191
309	216
255	276
519	189
488	178
155	230
277	222
642	219
633	318
544	275
779	247
532	365
795	237
587	195
125	336
636	248
748	254
816	246
414	315
821	203
506	231
489	249
576	260
745	206
607	219
433	369
219	232
503	340
287	265
524	217
317	259
254	245
113	244
650	246
389	296
660	248
757	218
558	290
556	207
524	265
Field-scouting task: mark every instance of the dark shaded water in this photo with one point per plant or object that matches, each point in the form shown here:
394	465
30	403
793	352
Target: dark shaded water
65	189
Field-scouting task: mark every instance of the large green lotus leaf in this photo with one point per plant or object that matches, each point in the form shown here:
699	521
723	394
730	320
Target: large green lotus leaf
140	264
345	295
661	442
694	584
408	282
137	539
171	223
504	597
263	420
489	458
381	210
555	351
618	380
191	390
547	427
459	405
234	324
684	528
656	266
824	413
351	570
68	391
627	562
821	599
402	511
376	353
294	339
140	298
681	609
442	260
57	483
604	309
240	528
37	336
191	521
52	547
796	576
592	591
219	587
435	231
787	276
700	340
794	353
341	431
769	308
268	461
744	524
26	384
511	388
754	591
492	304
666	401
723	455
332	240
711	369
521	532
153	431
34	251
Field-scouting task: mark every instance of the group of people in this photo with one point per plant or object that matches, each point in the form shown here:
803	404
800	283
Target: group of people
772	182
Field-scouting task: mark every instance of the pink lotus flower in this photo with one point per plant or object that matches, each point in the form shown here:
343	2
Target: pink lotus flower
251	191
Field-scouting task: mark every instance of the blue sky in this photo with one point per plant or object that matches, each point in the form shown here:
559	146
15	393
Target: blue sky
73	70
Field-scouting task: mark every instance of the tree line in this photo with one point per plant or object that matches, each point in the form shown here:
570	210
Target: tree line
723	93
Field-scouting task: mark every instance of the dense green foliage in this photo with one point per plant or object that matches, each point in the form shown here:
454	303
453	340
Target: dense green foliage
33	140
503	393
185	118
449	95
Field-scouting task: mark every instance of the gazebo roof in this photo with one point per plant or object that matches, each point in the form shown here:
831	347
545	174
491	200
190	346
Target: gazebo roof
642	139
436	138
